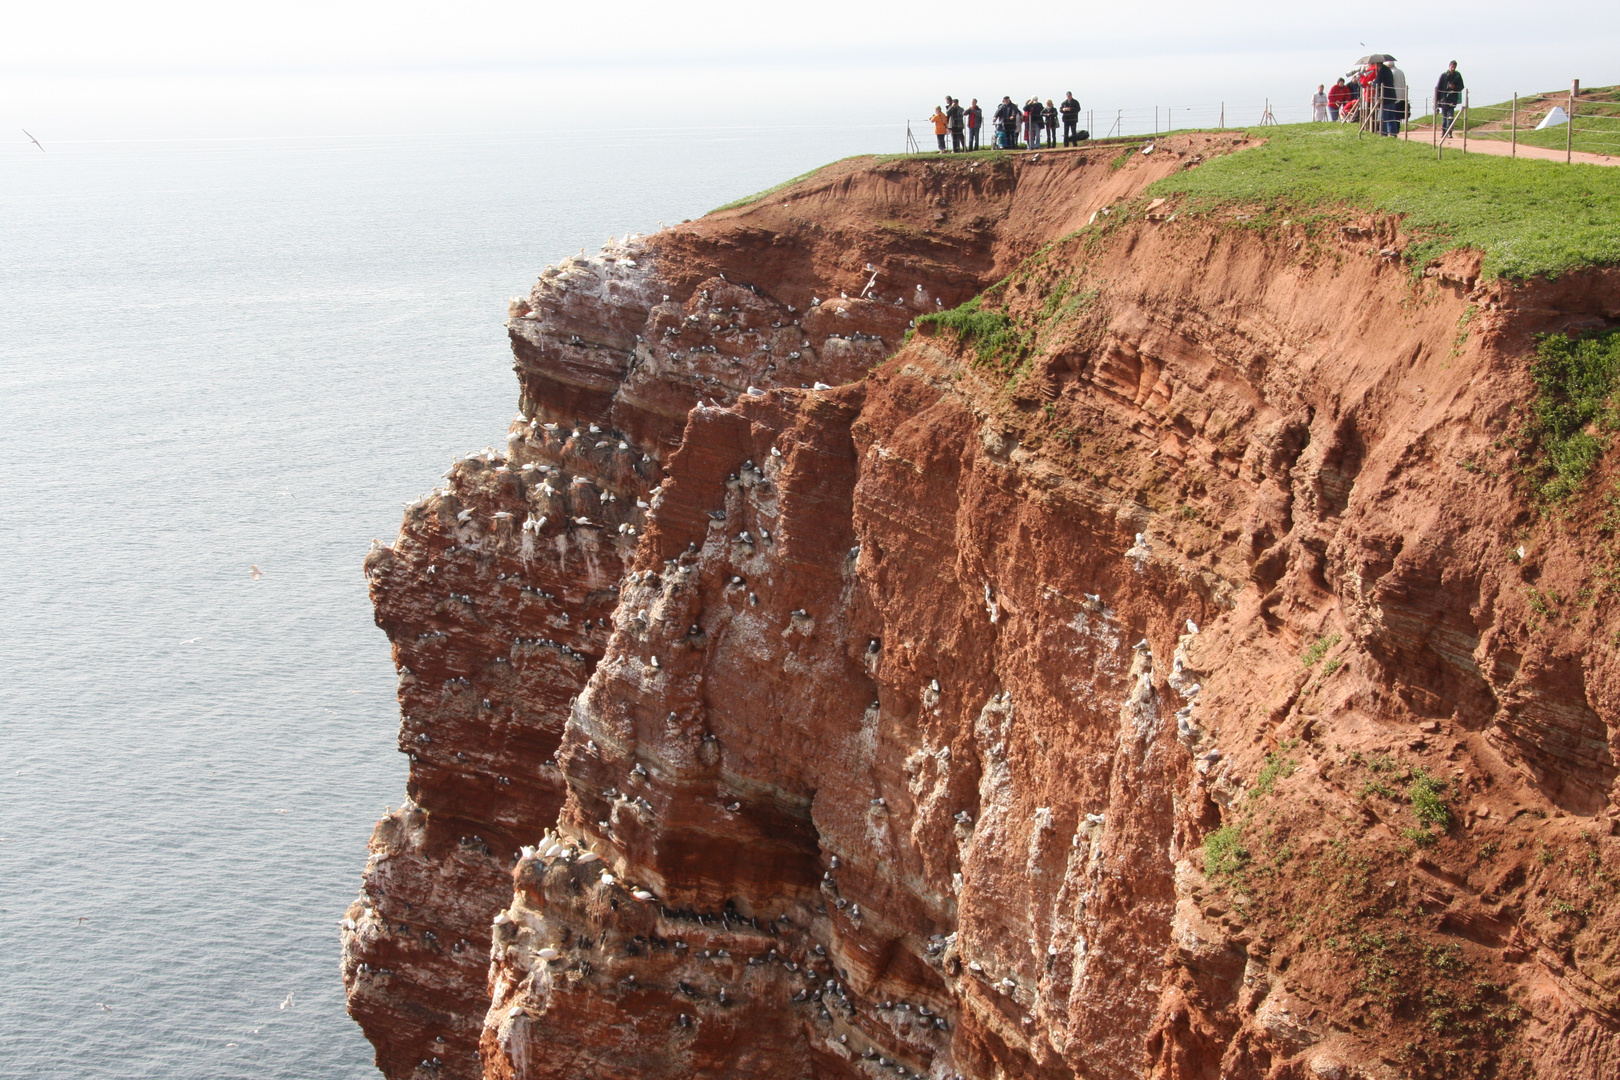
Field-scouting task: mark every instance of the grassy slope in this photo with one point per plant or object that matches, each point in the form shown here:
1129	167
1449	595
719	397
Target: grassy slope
1528	217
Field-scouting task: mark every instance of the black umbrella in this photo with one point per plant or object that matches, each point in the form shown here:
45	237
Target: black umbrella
1377	58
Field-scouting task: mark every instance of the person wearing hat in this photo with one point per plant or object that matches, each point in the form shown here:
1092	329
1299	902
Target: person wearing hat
1034	115
954	114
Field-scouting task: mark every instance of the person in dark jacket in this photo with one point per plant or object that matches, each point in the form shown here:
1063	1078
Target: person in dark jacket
1049	116
1448	95
975	121
954	117
1007	118
1390	100
1070	111
1033	121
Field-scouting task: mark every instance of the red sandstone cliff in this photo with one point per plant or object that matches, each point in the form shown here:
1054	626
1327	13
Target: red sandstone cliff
785	700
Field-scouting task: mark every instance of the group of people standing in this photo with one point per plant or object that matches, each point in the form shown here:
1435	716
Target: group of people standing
1379	92
1015	126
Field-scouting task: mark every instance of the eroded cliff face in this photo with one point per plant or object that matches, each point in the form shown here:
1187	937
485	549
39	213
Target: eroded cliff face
792	699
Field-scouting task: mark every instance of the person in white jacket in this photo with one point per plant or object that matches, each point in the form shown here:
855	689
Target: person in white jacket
1403	101
1319	104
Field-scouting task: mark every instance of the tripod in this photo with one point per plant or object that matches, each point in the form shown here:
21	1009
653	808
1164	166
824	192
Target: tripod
911	141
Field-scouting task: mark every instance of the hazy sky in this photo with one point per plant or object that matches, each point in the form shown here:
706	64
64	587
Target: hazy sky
168	67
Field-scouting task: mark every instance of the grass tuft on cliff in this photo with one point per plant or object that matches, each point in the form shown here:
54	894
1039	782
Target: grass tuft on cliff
749	200
994	336
1224	852
1528	217
1577	407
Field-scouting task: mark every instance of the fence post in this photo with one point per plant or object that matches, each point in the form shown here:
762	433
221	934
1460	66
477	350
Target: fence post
1569	133
1515	125
1465	121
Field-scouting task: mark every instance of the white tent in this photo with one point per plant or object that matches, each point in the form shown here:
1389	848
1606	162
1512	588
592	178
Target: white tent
1554	118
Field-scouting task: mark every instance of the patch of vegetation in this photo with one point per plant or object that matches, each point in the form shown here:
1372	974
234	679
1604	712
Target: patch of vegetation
1319	649
1528	217
1377	787
1420	836
1575	408
1461	337
1123	156
1224	852
996	340
1427	796
1331	666
1543	605
1435	985
1277	767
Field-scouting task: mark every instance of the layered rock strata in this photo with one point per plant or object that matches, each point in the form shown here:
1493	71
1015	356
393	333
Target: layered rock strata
1047	696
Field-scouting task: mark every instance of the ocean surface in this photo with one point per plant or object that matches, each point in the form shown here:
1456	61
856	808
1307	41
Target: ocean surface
214	356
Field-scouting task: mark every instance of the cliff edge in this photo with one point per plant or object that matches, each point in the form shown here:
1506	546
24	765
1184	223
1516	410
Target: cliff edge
982	617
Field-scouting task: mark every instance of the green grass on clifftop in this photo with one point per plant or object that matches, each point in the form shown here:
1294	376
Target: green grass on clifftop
749	200
1528	217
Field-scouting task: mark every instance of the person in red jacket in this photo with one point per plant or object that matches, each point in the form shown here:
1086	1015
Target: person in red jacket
975	121
1338	98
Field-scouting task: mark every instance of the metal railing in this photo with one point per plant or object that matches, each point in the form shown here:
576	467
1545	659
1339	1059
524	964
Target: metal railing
1593	125
1151	120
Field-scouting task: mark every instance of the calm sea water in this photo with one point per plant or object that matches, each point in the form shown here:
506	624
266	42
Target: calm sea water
215	355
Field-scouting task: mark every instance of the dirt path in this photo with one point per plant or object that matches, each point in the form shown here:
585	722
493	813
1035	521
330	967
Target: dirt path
1501	149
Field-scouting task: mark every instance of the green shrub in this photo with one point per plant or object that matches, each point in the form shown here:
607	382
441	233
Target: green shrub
1427	796
1224	853
1575	392
1276	768
992	334
1318	650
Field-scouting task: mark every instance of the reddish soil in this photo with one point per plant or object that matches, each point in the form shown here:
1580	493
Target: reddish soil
1062	713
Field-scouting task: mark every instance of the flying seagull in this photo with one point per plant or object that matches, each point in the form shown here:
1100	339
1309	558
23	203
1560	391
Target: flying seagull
35	141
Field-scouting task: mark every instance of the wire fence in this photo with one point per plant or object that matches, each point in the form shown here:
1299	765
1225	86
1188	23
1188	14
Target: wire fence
1577	121
1158	119
1135	122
